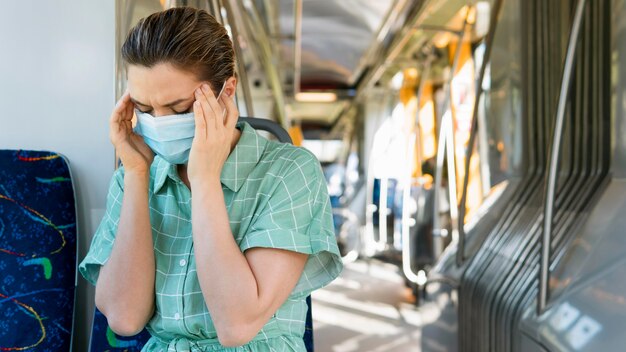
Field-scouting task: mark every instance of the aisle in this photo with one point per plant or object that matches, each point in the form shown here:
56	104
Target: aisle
367	309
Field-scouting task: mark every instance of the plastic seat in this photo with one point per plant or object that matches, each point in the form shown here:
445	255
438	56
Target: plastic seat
103	339
37	251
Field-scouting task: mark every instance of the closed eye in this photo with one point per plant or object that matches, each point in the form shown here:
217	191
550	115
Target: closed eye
183	112
175	112
170	105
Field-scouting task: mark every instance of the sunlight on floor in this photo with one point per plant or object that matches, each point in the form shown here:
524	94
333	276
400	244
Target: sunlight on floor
367	309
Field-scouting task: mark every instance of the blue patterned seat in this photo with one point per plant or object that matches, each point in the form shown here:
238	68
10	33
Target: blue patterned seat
37	251
104	339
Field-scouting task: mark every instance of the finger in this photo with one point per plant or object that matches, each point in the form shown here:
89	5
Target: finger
198	115
120	106
209	114
215	106
128	114
232	113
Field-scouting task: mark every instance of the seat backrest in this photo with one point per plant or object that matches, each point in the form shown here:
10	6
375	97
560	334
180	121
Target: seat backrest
37	251
103	338
268	126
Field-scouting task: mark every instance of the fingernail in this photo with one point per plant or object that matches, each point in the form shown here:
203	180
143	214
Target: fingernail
198	91
205	87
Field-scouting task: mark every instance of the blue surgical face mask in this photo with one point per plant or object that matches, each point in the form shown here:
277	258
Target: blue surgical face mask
171	136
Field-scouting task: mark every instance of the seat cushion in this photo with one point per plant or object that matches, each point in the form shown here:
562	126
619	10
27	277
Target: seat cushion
104	339
37	251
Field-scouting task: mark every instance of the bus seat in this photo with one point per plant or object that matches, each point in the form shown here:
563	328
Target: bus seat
37	251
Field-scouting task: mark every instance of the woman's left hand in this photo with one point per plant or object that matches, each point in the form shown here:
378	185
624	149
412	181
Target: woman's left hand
213	135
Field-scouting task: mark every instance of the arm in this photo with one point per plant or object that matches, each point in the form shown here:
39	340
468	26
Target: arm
241	291
125	287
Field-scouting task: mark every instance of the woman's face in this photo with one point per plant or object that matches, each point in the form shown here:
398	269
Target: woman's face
165	90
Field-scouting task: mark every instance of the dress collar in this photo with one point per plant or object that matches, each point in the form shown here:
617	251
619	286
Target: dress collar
240	163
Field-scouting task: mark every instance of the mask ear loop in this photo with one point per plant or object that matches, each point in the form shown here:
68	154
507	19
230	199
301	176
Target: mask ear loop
218	98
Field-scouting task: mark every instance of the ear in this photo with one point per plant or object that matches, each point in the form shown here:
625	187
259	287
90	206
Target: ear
230	86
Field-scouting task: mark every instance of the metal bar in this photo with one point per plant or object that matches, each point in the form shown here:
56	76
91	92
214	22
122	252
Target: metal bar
407	268
272	19
217	13
424	77
273	22
255	25
420	91
123	14
371	244
297	46
439	29
383	30
441	145
446	133
451	162
383	58
493	22
544	273
241	67
382	212
403	36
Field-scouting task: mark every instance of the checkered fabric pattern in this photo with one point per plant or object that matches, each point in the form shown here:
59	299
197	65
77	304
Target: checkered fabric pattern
276	197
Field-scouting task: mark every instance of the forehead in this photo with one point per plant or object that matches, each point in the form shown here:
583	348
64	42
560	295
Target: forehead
160	84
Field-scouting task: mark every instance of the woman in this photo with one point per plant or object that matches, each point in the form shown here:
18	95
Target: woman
213	243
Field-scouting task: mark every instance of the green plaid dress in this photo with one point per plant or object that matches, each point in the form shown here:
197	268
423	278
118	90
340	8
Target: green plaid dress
276	197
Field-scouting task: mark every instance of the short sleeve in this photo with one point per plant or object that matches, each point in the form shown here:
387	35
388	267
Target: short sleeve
103	238
297	216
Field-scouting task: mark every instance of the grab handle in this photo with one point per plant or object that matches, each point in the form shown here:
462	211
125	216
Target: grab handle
495	15
553	163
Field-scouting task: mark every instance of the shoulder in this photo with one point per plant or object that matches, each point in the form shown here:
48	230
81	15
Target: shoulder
290	157
292	161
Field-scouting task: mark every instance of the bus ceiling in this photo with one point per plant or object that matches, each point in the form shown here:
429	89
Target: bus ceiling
310	72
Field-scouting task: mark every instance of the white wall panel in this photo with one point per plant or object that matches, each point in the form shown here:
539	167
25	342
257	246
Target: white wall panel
56	93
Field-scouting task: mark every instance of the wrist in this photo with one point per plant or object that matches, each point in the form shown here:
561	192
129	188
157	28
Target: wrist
136	178
205	183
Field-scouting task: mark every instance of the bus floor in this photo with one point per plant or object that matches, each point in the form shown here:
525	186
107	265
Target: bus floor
368	309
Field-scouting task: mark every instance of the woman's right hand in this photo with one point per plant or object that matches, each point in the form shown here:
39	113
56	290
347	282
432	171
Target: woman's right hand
131	148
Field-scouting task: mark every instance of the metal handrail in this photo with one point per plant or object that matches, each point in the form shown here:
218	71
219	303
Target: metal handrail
384	57
407	268
443	140
405	231
297	46
351	217
387	22
371	244
495	15
553	163
254	24
241	67
383	210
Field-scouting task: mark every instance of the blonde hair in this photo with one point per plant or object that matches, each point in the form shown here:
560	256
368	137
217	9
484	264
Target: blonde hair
187	38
